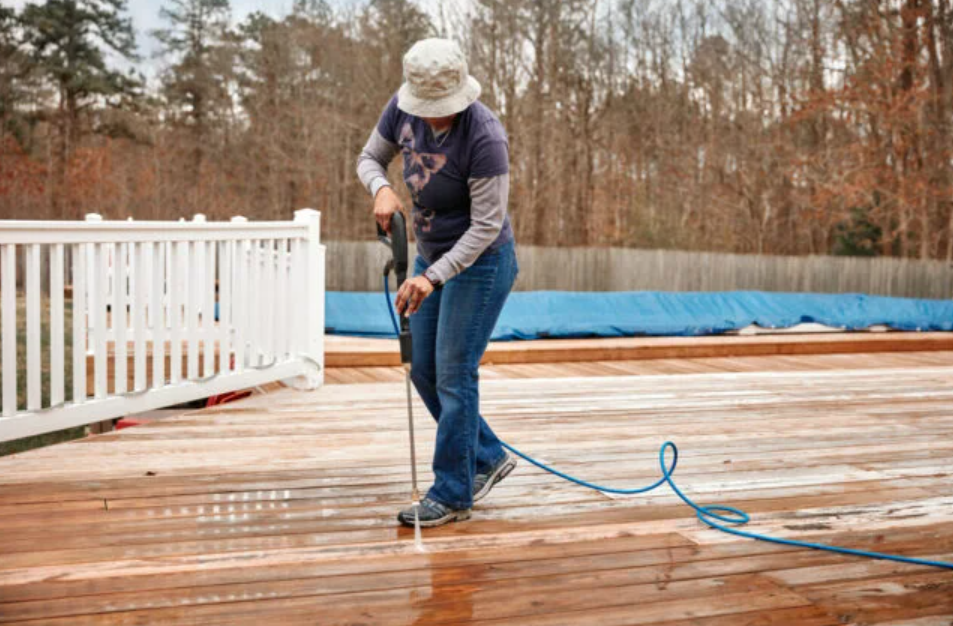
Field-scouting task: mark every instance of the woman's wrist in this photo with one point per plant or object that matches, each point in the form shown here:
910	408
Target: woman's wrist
432	278
377	185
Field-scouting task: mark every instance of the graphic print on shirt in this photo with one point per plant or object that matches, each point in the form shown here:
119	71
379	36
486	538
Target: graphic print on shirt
419	166
423	220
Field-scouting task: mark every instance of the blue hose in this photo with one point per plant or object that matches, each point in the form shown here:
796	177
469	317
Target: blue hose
719	517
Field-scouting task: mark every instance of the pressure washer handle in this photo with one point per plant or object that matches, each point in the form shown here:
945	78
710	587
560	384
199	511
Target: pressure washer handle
406	343
397	242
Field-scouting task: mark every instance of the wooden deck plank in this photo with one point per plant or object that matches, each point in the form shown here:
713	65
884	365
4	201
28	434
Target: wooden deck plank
281	507
362	352
435	602
648	367
909	596
640	567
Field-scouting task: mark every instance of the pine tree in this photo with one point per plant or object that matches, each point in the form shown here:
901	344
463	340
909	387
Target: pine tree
196	84
390	28
14	68
68	41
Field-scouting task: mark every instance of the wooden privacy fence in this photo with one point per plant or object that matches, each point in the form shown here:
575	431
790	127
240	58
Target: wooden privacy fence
356	266
233	305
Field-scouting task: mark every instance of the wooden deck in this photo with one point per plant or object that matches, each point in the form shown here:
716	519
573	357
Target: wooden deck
280	509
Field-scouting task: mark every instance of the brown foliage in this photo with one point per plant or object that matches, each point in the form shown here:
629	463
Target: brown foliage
788	127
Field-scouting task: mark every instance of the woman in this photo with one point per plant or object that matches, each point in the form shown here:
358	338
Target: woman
456	166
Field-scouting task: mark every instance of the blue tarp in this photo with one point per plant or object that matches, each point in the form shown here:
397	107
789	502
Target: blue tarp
538	314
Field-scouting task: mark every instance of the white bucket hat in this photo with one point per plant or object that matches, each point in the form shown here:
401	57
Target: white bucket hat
437	81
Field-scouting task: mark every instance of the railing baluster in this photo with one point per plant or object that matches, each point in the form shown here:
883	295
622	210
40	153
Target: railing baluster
278	310
139	316
208	311
120	286
282	319
261	304
33	325
254	306
281	311
148	255
92	310
225	306
8	284
288	302
57	322
267	303
178	289
277	315
101	274
80	305
196	275
239	308
159	313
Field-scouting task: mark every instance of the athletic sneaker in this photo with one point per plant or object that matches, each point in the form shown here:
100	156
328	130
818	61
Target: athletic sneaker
432	513
482	483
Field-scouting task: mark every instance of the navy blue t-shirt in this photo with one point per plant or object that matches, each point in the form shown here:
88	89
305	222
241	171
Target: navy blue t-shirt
436	171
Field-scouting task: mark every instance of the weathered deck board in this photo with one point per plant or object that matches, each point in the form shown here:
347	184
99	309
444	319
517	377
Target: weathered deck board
281	507
649	367
344	351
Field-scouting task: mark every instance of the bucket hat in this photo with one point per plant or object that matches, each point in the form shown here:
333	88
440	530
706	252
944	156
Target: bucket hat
437	82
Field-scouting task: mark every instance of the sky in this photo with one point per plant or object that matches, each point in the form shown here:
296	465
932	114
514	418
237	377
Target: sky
145	13
145	17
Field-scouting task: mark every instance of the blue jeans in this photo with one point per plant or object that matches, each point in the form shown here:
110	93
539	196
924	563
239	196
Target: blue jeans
451	330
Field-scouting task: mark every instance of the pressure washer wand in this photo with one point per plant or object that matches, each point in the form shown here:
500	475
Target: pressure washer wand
397	242
415	495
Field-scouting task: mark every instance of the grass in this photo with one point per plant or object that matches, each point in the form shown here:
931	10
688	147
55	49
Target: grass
29	443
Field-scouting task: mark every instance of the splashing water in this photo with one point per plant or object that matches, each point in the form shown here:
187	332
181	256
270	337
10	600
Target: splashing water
418	537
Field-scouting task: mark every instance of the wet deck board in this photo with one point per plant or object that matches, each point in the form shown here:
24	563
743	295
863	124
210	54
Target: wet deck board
280	508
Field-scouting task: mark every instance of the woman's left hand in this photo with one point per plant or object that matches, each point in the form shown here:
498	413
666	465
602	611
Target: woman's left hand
412	294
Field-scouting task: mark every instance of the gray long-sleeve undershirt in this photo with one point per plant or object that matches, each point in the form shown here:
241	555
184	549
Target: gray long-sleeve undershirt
488	200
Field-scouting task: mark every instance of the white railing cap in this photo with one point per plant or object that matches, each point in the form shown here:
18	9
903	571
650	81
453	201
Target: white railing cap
307	215
22	232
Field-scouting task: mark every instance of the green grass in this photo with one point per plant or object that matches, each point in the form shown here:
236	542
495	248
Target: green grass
29	443
41	441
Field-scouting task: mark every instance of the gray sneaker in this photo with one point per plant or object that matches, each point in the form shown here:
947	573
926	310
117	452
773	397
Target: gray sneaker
482	483
432	513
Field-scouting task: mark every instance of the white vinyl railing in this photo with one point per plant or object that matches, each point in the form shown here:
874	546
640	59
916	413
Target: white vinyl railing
159	313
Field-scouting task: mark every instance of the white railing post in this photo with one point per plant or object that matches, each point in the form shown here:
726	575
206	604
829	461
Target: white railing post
312	342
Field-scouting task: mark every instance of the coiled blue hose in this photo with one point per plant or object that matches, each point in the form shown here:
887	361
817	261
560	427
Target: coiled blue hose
720	517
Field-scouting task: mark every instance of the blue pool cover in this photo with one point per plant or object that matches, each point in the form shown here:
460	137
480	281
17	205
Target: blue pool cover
540	314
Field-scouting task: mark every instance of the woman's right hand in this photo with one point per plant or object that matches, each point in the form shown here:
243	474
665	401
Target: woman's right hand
386	203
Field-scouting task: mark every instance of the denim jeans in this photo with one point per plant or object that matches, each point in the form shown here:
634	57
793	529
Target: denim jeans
451	330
